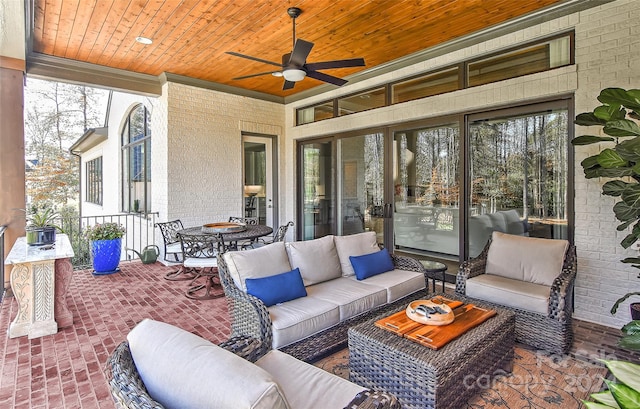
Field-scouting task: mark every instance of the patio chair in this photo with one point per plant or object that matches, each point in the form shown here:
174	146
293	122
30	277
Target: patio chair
534	278
173	249
250	221
200	255
278	235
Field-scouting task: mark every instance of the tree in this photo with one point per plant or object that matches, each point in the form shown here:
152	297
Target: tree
57	114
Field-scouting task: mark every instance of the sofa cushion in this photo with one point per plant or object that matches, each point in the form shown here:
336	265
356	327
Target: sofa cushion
530	259
181	370
352	297
277	288
299	318
398	283
307	386
354	245
261	262
317	259
512	293
369	265
498	223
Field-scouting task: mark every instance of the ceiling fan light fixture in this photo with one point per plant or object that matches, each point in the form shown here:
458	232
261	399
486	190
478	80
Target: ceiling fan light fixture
294	74
277	74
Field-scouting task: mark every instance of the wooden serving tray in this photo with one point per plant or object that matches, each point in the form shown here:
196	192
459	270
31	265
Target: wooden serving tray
437	336
224	227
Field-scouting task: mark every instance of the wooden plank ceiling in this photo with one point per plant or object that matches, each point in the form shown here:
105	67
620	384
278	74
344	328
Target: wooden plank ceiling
190	37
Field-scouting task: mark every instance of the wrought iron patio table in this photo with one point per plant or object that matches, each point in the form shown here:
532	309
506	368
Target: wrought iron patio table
421	377
251	232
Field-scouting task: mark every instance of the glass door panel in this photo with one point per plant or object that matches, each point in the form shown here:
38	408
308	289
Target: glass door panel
361	185
518	176
317	199
259	176
426	189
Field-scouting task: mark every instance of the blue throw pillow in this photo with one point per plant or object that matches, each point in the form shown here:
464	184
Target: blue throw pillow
371	264
277	288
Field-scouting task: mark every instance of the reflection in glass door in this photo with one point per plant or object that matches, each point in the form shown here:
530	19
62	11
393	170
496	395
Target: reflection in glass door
361	185
519	175
427	189
317	218
259	179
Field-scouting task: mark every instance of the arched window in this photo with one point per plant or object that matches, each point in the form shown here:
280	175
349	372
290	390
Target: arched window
136	161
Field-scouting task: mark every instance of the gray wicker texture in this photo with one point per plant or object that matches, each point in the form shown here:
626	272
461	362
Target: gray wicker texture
424	378
553	332
250	317
128	390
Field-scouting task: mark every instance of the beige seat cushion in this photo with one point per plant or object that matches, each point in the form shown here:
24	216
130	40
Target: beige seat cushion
317	259
257	263
354	245
182	370
299	318
530	259
352	297
398	283
512	293
306	386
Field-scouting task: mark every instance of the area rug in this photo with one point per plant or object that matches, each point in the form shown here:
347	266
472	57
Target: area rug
539	380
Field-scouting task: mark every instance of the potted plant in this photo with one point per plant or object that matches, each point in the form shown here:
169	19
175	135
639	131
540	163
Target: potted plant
41	229
106	246
620	161
622	393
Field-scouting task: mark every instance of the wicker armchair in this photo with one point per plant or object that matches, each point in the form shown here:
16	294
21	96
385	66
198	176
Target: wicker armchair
250	317
552	332
128	390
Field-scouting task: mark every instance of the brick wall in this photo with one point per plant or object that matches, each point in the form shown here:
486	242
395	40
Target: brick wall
605	57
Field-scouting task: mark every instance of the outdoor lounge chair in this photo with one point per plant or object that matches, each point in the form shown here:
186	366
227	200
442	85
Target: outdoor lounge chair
532	277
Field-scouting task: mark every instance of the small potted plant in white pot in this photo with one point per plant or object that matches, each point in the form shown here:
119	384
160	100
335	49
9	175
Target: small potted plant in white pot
106	246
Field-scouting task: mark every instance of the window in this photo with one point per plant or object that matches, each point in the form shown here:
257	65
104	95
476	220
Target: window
93	193
361	102
315	113
136	161
426	85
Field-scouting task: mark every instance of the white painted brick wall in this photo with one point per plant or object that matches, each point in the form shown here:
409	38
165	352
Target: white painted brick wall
607	55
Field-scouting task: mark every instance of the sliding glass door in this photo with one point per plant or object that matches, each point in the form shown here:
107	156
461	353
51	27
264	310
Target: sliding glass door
519	174
426	168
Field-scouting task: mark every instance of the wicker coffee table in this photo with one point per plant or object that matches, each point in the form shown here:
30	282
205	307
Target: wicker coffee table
421	377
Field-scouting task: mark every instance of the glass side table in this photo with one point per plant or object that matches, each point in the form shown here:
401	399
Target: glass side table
431	269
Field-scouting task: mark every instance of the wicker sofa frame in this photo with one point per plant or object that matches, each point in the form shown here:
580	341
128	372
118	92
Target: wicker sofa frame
250	317
128	390
552	332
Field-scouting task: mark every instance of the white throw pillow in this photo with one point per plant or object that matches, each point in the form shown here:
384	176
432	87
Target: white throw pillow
182	370
354	245
257	263
317	259
530	259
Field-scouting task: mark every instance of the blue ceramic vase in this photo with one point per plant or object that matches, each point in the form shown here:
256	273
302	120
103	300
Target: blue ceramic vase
106	256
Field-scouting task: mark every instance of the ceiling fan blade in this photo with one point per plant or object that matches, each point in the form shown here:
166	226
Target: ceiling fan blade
325	65
326	78
253	75
253	58
288	85
300	53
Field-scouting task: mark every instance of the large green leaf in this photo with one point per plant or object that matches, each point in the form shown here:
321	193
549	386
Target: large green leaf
594	405
624	225
605	398
631	260
614	187
632	327
610	173
590	139
590	162
625	372
627	397
631	342
609	159
629	240
631	195
629	149
610	112
622	127
589	119
619	96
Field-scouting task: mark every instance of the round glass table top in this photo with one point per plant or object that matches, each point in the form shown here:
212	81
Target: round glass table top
433	266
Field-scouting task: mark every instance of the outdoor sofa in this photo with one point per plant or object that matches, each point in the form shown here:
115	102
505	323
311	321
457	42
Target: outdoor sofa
329	298
534	278
163	366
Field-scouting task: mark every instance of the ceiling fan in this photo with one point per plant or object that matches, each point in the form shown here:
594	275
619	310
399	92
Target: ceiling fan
294	65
